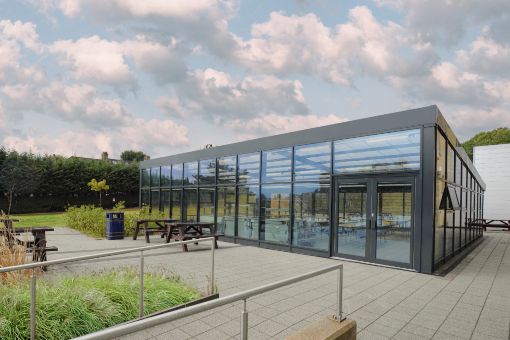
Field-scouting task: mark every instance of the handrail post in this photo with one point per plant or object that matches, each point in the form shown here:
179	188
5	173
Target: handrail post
339	292
32	305
140	306
213	246
244	322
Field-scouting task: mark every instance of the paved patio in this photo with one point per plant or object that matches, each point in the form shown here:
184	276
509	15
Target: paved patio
471	302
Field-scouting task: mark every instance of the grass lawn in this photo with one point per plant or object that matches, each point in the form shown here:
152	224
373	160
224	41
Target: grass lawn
41	220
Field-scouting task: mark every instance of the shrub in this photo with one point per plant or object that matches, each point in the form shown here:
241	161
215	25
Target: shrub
13	255
70	307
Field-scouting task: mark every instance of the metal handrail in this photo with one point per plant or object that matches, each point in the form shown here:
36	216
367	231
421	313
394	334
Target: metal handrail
35	265
138	325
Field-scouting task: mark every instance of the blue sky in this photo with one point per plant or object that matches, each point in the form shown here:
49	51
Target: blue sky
78	77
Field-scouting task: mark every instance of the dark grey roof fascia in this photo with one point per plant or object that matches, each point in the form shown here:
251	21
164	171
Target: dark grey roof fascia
360	127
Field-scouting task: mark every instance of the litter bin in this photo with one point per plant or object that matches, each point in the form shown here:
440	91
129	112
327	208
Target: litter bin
114	225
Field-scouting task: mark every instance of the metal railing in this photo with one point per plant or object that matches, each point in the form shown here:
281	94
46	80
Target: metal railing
138	325
36	265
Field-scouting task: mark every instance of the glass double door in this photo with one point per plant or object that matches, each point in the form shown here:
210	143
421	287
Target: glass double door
374	219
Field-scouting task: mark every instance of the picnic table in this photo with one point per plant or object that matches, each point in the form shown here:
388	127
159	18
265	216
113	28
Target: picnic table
37	245
160	227
183	231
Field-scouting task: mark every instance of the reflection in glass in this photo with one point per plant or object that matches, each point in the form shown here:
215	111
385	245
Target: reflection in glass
249	168
190	206
166	176
384	152
275	213
146	177
155	177
175	208
248	215
177	174
145	199
190	173
450	216
226	210
155	200
277	165
207	205
439	230
312	162
165	203
352	219
207	171
394	219
227	170
311	216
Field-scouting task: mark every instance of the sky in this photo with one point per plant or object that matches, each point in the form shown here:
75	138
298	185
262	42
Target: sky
79	77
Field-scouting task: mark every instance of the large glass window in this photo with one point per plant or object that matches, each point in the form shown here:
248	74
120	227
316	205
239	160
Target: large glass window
190	205
146	196
166	176
177	174
226	210
207	172
277	165
146	177
249	168
155	177
440	187
311	216
312	162
191	173
383	152
165	203
175	207
227	170
275	213
248	212
207	204
155	200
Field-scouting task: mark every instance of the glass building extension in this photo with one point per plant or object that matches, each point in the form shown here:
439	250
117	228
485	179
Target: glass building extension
396	189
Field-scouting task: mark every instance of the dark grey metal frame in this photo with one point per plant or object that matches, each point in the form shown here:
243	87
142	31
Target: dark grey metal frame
427	119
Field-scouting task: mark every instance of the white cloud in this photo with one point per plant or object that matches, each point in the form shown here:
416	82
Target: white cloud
218	97
486	56
24	32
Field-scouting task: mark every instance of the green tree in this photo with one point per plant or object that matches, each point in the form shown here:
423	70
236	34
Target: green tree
132	156
493	137
18	176
98	187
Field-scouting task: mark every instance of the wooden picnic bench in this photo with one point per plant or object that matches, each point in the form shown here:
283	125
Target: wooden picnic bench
490	223
37	245
160	226
183	231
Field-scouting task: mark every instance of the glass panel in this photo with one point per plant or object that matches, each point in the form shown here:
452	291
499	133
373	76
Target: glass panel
352	219
311	216
227	170
177	174
249	168
451	165
165	202
207	205
277	165
190	173
312	162
176	204
449	232
458	170
190	205
155	200
166	176
439	229
155	177
146	177
226	210
275	213
146	196
248	212
384	152
207	171
394	220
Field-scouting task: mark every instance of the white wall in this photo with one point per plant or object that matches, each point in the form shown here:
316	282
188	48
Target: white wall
493	164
